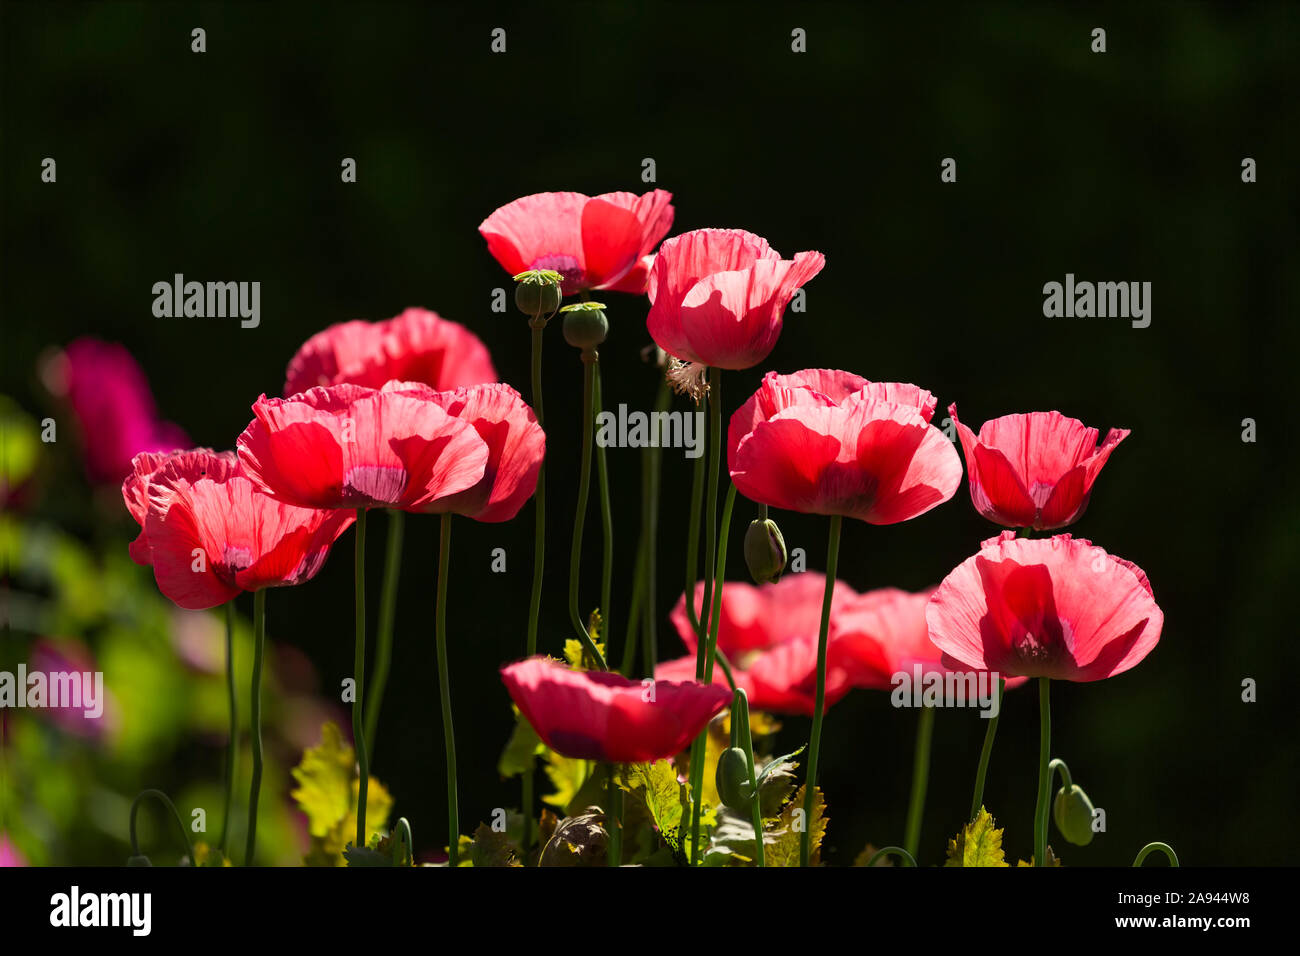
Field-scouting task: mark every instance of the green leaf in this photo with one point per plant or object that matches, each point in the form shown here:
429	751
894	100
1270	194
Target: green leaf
328	786
978	844
781	843
491	848
667	800
521	751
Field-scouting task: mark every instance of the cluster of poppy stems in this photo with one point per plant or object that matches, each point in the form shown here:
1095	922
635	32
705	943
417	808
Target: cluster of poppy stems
407	415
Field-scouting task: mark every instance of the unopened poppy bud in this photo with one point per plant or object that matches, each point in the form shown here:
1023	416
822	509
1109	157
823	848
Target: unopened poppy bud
765	552
1072	811
585	325
732	779
537	292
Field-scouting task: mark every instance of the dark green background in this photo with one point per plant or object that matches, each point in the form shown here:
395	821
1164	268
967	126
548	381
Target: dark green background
1122	166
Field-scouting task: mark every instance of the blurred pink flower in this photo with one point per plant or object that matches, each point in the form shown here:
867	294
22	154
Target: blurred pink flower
9	855
114	409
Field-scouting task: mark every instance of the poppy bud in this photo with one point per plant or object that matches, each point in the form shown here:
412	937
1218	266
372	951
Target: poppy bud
1072	811
765	552
732	778
538	292
585	325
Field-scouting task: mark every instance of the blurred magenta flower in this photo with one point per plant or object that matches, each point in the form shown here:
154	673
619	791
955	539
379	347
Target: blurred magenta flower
416	346
67	656
1034	470
9	855
594	242
113	407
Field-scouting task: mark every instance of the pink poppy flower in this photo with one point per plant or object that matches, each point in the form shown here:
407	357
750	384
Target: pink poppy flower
1045	607
416	346
114	410
769	634
9	855
516	448
353	447
718	296
594	242
1034	470
192	465
596	715
211	539
828	442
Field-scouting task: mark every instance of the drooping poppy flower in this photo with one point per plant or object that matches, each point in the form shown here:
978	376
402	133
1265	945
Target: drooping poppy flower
769	634
416	346
828	442
1045	607
192	465
348	446
211	539
592	241
597	715
1034	470
718	296
516	448
114	410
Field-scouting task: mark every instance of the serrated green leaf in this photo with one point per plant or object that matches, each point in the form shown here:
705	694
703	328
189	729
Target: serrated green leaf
978	844
491	848
521	750
327	792
781	843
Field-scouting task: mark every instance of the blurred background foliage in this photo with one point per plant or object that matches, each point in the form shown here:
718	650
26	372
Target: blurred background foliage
225	166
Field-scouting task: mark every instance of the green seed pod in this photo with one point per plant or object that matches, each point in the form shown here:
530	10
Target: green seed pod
538	292
585	325
1072	811
732	778
765	552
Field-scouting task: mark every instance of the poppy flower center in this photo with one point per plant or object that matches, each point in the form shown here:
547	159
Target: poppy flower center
233	560
374	484
576	744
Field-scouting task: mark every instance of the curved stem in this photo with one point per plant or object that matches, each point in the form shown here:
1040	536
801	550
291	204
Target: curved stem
580	515
978	800
699	748
165	801
537	324
920	778
725	664
745	740
232	744
387	616
1150	848
1057	765
255	720
898	851
444	691
359	675
1044	776
405	842
606	521
819	707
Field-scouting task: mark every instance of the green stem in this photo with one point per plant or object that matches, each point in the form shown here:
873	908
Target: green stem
537	324
745	740
614	818
580	516
232	745
635	616
699	748
650	600
725	664
814	745
255	720
1044	775
693	544
978	800
898	851
920	778
444	690
606	521
165	801
1150	848
387	617
359	675
711	508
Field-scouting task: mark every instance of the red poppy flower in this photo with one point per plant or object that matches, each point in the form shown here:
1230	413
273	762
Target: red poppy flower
191	465
516	447
718	296
1045	607
353	447
593	241
114	410
416	346
596	715
212	538
876	635
828	442
769	634
1034	470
